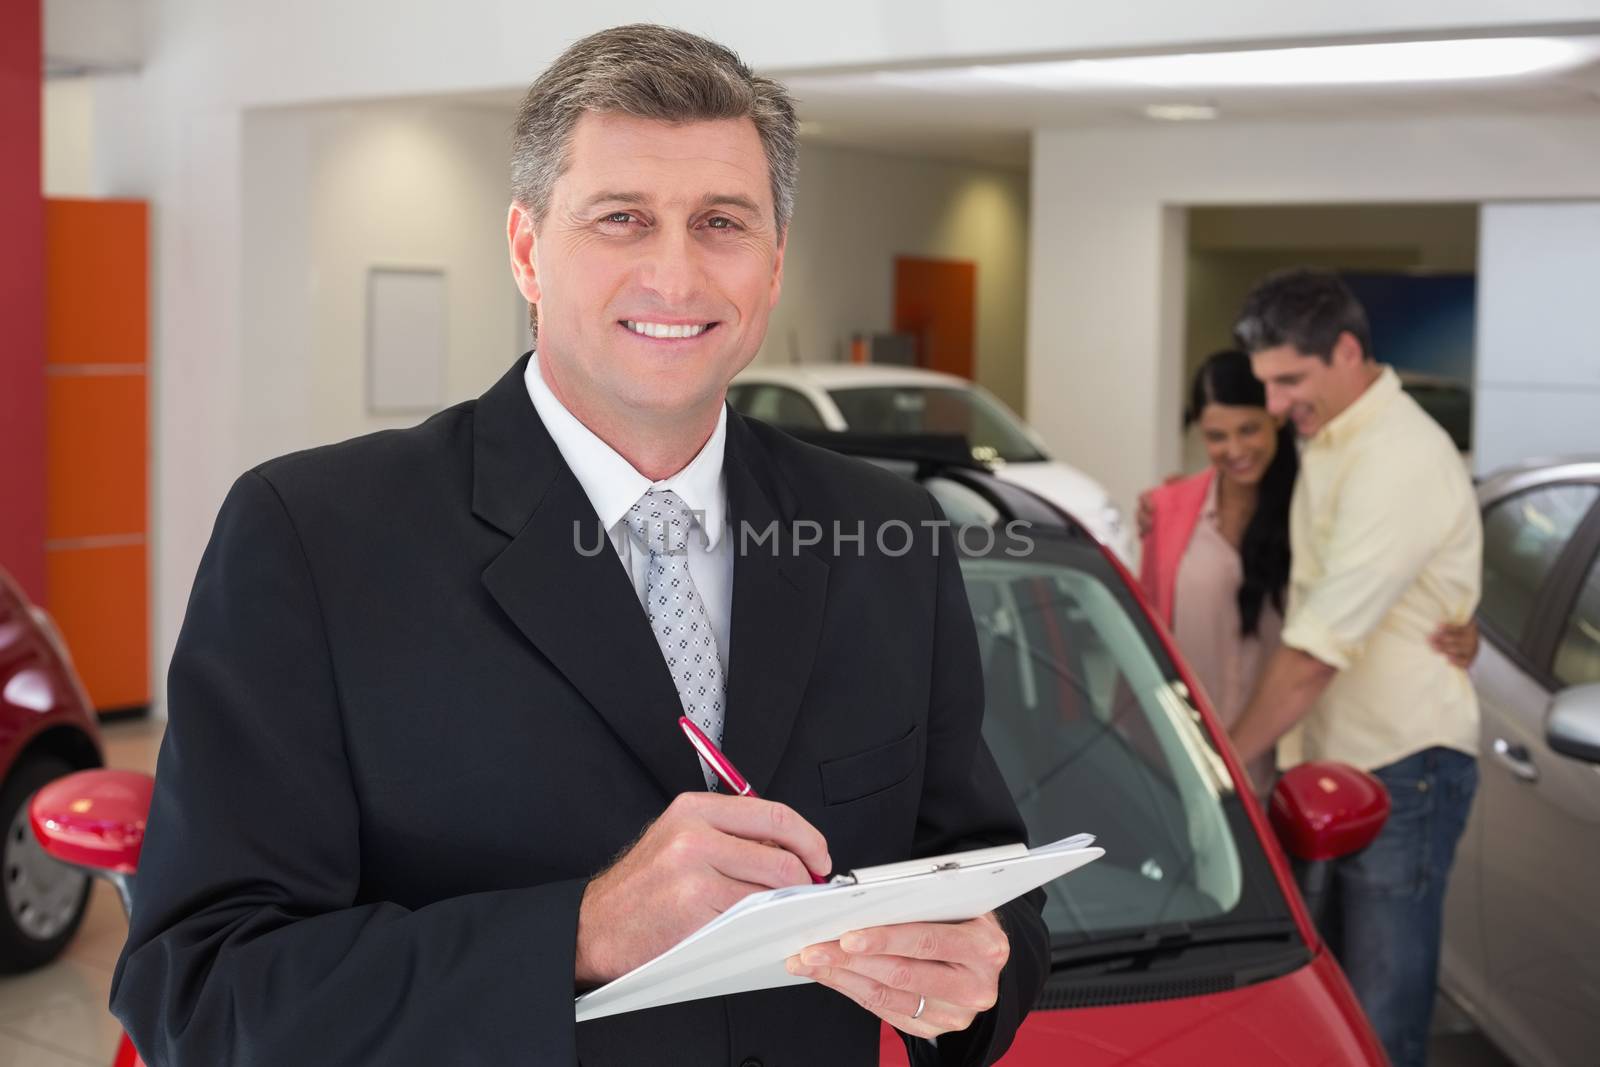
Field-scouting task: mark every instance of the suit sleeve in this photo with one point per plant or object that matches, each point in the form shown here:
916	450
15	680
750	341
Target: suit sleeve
966	804
250	944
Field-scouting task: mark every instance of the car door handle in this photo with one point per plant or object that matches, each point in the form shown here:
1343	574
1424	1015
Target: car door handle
1515	759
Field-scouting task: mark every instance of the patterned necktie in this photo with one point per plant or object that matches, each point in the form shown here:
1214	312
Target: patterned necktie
662	523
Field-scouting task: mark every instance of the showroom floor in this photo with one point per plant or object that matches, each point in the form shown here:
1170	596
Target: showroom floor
57	1017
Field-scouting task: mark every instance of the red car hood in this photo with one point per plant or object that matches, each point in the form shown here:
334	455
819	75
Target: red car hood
1308	1018
1305	1019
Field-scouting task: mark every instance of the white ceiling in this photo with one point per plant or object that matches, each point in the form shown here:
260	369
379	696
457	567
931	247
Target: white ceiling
907	115
917	116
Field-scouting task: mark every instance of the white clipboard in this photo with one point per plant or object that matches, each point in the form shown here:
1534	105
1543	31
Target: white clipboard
744	948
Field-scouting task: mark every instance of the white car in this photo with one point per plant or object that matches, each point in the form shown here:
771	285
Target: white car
879	399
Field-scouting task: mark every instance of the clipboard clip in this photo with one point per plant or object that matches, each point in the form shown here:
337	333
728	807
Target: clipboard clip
930	865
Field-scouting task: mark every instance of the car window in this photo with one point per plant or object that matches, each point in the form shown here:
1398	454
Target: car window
1450	405
777	404
1578	654
1523	537
1094	736
990	429
961	505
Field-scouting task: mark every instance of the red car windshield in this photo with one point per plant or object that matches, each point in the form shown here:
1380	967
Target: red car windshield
1095	733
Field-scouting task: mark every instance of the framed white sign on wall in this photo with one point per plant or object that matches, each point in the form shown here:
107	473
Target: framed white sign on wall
407	340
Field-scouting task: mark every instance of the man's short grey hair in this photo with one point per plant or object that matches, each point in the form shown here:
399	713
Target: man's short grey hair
650	72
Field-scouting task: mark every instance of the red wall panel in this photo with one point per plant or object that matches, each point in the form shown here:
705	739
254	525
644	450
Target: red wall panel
22	390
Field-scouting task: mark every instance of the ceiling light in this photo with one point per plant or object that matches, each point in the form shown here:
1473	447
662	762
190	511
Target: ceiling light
1353	64
1181	112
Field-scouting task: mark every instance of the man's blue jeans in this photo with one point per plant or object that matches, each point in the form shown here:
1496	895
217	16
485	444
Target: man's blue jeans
1388	900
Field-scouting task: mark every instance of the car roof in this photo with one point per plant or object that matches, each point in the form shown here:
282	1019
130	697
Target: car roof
923	456
1534	472
847	375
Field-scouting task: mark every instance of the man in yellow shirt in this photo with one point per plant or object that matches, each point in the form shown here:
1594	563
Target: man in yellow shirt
1387	546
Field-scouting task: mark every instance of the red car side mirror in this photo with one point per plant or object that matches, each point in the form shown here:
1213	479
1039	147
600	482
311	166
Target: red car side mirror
94	820
1322	810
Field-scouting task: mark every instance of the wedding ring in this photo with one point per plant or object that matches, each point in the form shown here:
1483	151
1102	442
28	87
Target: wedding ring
922	1002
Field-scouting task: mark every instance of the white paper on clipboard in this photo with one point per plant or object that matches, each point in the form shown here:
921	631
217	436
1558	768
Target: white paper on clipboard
744	948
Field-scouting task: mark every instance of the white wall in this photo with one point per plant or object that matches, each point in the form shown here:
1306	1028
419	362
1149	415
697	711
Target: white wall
93	137
67	134
1538	388
857	210
1103	374
336	191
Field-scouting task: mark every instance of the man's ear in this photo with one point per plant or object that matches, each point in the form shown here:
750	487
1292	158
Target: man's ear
523	245
1347	351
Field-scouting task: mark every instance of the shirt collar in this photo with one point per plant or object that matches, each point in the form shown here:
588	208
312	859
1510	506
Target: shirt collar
1349	422
611	482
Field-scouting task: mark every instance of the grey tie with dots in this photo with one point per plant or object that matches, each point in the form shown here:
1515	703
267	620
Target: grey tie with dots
662	523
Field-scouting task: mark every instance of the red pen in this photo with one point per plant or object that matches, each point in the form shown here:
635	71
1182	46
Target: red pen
724	768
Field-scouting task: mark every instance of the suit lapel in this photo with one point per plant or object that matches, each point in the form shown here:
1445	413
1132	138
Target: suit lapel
560	582
778	597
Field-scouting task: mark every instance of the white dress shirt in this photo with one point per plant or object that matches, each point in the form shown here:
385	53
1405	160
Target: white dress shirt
613	486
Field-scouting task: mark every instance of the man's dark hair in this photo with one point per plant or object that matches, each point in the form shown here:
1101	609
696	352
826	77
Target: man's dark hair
1305	308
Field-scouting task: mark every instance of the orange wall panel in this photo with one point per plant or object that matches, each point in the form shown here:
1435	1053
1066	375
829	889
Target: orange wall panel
97	287
97	468
96	335
935	300
98	597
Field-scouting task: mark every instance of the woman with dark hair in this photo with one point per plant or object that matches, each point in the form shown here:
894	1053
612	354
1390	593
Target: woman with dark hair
1216	554
1216	557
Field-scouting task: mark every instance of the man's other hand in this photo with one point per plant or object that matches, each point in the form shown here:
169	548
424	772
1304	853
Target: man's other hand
703	855
889	970
1458	644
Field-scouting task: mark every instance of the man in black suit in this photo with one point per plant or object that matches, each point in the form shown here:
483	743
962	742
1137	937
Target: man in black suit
422	780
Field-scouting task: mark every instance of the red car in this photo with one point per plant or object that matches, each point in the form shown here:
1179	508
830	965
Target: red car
47	729
1188	942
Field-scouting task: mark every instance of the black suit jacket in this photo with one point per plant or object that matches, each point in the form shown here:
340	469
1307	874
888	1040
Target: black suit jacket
409	720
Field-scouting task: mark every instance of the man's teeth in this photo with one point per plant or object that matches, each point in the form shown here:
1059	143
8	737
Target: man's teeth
661	329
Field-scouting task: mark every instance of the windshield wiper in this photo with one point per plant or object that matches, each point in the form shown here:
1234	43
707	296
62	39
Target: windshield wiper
1169	939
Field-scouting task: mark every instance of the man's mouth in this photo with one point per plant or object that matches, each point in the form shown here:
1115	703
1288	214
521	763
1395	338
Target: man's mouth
668	331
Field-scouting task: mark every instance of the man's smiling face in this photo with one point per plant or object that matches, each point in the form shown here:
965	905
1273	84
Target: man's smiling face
656	267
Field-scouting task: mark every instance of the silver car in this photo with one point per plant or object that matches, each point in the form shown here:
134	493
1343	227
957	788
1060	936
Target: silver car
1522	929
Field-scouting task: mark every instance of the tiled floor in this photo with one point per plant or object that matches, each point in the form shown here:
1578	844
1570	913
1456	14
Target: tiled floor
57	1017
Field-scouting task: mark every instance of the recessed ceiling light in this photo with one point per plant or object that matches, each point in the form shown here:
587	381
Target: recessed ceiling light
1351	64
1181	112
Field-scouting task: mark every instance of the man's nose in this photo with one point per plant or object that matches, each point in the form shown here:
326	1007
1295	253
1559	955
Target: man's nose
671	266
1278	401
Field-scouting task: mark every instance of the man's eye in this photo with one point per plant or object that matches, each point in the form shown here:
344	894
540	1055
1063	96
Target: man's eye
721	222
622	217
